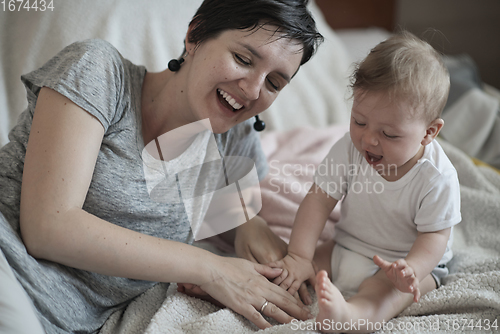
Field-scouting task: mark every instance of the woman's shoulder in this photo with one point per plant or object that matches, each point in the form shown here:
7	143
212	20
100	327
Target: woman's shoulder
86	56
91	55
91	45
91	73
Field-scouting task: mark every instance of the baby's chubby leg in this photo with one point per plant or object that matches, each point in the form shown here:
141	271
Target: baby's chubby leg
323	257
377	301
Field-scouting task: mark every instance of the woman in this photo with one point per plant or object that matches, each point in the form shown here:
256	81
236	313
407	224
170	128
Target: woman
81	233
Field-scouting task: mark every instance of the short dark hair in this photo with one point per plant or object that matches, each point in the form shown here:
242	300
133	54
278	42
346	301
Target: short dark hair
293	19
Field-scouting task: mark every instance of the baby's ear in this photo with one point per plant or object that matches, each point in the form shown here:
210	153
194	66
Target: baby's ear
432	130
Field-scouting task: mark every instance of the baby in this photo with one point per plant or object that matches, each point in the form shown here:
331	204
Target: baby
399	191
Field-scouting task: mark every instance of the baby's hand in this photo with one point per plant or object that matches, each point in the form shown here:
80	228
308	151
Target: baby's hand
401	274
296	270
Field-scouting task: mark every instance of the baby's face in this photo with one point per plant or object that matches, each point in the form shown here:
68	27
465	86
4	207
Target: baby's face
386	134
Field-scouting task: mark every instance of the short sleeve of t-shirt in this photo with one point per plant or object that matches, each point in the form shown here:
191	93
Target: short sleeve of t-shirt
89	73
332	173
440	204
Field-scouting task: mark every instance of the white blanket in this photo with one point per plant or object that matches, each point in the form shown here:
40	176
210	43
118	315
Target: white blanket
469	298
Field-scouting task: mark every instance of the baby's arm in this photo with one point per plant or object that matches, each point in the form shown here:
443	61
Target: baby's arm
424	256
309	223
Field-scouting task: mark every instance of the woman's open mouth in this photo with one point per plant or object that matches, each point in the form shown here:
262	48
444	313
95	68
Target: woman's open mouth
228	101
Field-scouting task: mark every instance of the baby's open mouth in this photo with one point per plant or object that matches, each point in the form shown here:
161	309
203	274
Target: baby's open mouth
228	100
373	158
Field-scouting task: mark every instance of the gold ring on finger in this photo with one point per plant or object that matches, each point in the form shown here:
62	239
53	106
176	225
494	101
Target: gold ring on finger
263	307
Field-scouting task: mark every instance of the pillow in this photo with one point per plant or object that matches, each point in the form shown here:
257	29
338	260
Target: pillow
471	115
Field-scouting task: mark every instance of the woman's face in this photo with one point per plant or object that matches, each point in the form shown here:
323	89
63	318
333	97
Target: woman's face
238	75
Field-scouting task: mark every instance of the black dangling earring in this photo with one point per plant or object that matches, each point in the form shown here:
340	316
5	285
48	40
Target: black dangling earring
175	64
259	125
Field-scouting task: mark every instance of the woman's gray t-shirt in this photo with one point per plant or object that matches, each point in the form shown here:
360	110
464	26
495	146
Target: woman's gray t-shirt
97	78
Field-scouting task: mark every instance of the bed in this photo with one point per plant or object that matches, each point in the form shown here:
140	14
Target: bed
302	124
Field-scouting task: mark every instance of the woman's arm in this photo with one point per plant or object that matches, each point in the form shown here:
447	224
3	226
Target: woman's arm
256	242
62	150
60	159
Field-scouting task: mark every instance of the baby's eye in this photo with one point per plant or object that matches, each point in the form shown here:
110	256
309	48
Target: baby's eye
358	123
241	60
389	136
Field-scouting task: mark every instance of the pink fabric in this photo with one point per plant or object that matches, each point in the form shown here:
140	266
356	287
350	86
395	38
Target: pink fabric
293	157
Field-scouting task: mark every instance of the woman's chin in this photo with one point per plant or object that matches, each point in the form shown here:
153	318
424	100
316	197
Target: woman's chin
222	125
218	129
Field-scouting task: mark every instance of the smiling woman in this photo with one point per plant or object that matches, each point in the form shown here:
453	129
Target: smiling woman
80	232
249	67
252	51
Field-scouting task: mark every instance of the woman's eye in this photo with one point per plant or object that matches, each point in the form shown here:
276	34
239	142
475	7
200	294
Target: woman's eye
273	85
241	60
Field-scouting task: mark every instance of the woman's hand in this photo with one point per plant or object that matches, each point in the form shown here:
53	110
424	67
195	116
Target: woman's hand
256	242
244	287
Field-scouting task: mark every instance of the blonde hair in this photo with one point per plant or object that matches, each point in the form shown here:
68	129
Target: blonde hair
408	69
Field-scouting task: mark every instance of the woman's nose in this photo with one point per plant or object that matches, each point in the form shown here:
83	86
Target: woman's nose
251	86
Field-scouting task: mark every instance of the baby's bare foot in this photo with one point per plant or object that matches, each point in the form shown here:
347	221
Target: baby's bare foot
331	303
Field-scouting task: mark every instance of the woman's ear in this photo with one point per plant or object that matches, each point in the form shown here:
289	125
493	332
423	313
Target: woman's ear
432	131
